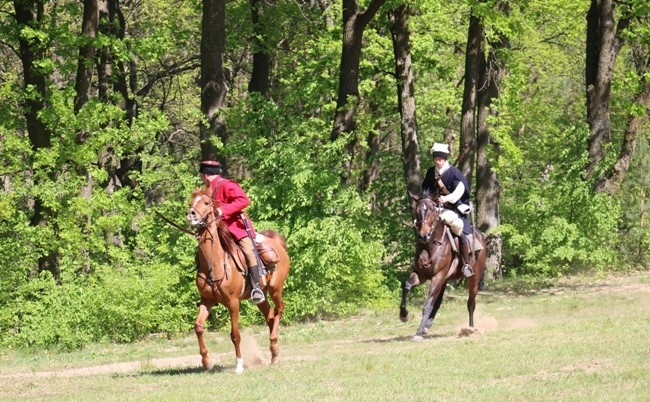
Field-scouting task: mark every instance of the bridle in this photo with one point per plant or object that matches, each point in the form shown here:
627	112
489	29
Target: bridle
203	222
424	209
201	225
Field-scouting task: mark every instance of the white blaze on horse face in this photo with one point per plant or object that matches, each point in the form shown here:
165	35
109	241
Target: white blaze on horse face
193	216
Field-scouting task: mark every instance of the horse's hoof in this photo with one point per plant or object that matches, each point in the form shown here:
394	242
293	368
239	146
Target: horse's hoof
468	331
239	366
405	318
418	338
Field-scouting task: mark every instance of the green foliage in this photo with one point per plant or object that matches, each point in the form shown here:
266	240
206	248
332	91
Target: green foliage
634	230
117	306
335	252
124	273
561	225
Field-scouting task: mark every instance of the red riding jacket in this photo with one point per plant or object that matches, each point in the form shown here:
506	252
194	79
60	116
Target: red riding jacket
233	200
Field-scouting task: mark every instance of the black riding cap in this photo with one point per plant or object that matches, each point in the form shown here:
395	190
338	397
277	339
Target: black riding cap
210	167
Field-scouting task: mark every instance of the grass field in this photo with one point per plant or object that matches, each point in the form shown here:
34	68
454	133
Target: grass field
578	340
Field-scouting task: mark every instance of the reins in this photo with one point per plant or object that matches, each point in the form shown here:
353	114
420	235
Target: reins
169	221
205	227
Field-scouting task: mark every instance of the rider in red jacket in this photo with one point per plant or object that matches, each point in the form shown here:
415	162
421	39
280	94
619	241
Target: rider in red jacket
233	200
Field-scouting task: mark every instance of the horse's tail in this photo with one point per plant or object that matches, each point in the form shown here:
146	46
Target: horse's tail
276	236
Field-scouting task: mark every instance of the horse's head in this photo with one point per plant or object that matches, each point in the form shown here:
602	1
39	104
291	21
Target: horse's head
425	216
201	207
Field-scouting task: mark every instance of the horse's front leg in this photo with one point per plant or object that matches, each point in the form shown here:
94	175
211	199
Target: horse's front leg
428	309
199	329
410	283
434	311
235	335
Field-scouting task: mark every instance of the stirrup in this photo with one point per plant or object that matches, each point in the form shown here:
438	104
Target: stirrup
467	270
257	296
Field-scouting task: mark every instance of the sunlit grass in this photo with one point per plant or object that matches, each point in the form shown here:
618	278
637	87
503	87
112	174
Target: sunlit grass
582	340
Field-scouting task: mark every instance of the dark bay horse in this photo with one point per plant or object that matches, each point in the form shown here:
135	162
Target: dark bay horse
221	276
435	260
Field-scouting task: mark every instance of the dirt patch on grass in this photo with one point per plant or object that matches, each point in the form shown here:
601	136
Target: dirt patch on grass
251	352
113	368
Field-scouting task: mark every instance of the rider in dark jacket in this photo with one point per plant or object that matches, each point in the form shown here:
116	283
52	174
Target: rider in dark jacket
445	179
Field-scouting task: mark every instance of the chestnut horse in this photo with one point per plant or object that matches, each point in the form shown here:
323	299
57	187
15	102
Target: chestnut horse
435	260
221	276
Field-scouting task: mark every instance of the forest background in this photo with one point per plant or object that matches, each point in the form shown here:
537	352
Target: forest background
325	112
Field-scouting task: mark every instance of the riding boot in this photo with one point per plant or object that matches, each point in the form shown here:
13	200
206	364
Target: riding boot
464	256
257	296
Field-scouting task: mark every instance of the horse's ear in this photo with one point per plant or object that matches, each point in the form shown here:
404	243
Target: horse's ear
414	197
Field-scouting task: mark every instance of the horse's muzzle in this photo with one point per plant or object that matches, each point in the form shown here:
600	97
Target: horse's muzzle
424	237
194	219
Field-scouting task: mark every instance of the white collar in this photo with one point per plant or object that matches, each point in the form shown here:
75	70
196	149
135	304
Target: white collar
444	168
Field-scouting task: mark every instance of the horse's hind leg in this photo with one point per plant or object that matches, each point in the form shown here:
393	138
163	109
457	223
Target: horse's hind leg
272	317
473	285
199	329
409	284
474	282
275	331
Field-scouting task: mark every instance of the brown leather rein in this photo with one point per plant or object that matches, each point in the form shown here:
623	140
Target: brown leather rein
179	227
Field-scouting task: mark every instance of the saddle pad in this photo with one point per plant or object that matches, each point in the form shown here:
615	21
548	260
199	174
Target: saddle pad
476	245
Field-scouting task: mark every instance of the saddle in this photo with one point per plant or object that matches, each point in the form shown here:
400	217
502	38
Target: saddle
474	243
266	251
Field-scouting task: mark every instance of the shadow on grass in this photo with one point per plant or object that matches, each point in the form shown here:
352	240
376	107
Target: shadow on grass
178	371
402	338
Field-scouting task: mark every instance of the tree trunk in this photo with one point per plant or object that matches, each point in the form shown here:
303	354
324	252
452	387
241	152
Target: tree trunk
83	87
467	151
372	155
354	23
31	52
89	27
406	98
213	81
487	185
260	77
611	182
603	45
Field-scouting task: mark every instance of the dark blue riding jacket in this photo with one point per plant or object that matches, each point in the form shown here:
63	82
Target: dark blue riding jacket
450	178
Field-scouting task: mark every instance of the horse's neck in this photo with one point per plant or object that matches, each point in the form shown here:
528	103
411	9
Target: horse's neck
438	237
211	248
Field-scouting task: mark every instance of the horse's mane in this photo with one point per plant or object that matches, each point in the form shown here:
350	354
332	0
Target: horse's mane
428	193
201	191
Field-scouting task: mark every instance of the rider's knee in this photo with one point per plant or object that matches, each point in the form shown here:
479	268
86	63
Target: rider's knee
456	226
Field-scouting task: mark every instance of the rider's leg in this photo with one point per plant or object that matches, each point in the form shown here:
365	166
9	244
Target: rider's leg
257	296
457	225
464	255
